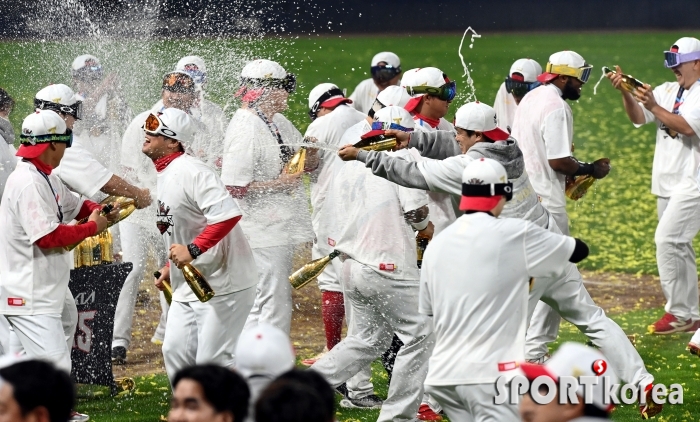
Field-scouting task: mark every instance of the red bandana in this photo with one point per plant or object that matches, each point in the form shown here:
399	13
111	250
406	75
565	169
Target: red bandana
40	165
162	162
432	122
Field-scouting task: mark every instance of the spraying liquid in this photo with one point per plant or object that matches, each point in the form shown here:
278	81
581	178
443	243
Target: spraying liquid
602	76
470	82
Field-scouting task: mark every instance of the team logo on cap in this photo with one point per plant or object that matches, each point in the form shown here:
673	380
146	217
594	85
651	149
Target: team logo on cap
165	219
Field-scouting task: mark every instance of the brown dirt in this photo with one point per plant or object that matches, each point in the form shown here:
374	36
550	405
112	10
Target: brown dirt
615	293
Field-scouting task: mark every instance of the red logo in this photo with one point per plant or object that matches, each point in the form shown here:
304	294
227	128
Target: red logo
507	366
387	267
15	301
331	242
599	367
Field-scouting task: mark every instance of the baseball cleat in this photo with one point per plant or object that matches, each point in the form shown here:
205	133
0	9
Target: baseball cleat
649	409
367	402
669	324
694	349
119	355
78	417
342	389
425	413
693	328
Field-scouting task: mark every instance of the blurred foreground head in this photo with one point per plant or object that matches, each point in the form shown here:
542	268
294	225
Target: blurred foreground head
297	396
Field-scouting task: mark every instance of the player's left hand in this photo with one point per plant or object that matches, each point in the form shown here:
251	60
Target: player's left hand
348	152
402	138
645	95
180	255
113	216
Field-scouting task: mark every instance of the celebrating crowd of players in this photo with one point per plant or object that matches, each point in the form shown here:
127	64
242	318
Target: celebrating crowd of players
487	190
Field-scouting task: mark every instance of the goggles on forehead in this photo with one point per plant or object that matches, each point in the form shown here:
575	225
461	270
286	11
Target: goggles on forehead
66	138
376	106
178	82
199	77
313	112
446	92
88	73
289	83
155	126
75	110
520	88
387	126
384	73
673	59
505	189
580	73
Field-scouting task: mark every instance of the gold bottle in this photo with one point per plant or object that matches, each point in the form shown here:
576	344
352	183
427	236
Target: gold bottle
579	187
421	244
106	245
167	288
77	262
127	206
308	272
198	283
85	251
96	250
377	143
629	82
297	162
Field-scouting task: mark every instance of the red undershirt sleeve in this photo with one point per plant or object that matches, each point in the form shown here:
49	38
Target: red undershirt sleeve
213	233
65	235
86	209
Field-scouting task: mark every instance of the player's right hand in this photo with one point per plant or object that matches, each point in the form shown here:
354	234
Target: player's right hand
402	137
348	152
616	79
601	168
164	276
143	199
99	220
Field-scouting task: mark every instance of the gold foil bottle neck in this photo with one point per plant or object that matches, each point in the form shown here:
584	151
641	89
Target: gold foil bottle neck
310	271
297	162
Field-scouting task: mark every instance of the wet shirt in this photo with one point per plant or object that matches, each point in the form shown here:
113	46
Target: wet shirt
364	95
505	107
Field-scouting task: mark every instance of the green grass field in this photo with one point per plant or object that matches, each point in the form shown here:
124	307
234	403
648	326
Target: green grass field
617	218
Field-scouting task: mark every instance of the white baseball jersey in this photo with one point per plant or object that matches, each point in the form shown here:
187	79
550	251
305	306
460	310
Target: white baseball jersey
544	128
34	280
252	154
505	107
81	171
190	197
370	225
474	283
675	159
364	95
8	161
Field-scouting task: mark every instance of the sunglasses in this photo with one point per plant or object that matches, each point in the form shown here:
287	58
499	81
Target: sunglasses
66	138
505	189
673	59
520	88
75	110
155	126
446	92
197	75
289	83
88	73
178	82
384	73
580	73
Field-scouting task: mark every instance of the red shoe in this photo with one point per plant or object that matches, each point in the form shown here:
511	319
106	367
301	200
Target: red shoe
669	324
425	413
650	409
694	349
693	328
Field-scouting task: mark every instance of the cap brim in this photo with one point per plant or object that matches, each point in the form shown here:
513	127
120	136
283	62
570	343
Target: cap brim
534	370
547	77
32	151
413	103
479	203
497	134
334	102
373	133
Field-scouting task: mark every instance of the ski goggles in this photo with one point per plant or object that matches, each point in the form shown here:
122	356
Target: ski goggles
199	77
75	109
384	73
376	106
88	73
155	126
388	126
446	92
673	59
580	73
313	111
289	83
520	88
178	82
66	138
504	189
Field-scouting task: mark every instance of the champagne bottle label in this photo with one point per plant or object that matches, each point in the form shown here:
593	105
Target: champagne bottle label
96	251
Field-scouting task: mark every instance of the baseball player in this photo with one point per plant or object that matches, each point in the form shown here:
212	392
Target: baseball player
498	256
275	205
198	220
34	265
380	278
478	136
675	109
208	148
386	71
521	79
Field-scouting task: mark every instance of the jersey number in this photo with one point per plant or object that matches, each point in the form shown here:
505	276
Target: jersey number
83	334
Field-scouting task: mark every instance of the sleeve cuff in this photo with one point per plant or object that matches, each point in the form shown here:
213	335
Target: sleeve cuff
362	155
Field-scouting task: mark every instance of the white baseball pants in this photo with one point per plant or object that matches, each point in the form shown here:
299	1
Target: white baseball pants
675	255
198	333
43	337
382	307
273	299
473	403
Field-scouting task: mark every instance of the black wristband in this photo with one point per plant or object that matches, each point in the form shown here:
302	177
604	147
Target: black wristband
584	169
580	251
194	250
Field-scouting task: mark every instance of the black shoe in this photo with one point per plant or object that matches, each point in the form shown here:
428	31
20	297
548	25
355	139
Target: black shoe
119	355
367	402
342	389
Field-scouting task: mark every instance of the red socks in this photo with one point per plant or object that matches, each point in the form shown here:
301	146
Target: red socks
333	310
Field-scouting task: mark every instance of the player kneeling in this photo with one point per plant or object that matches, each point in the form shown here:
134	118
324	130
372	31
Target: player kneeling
197	218
474	284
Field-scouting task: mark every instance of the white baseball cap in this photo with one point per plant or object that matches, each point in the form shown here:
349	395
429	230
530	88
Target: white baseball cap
423	76
684	50
576	360
86	67
480	117
193	66
568	63
85	60
175	124
264	350
393	95
484	182
326	95
527	68
387	57
388	118
39	129
263	69
59	98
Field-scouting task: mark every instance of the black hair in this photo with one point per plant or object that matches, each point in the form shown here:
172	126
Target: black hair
315	381
286	400
36	383
594	411
6	102
224	389
472	132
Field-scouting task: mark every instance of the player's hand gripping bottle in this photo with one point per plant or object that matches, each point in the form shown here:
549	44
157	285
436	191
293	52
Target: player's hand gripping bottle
377	143
167	288
576	189
629	83
308	272
297	162
126	207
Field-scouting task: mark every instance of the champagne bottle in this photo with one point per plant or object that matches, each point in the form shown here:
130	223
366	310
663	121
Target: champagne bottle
297	162
167	290
199	285
127	206
377	143
579	187
308	272
77	262
106	244
96	250
421	244
629	83
85	252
